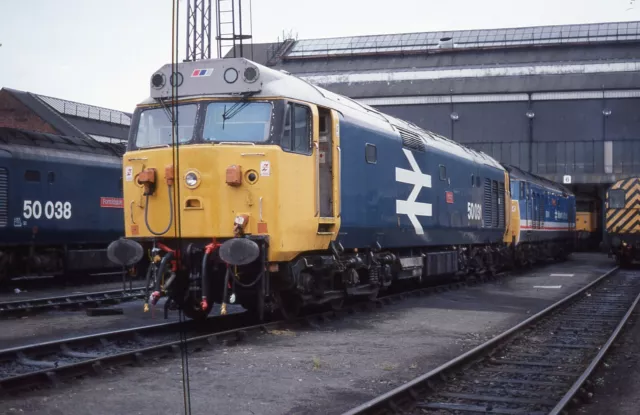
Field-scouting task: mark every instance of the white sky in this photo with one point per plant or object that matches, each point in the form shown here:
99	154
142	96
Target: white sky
102	52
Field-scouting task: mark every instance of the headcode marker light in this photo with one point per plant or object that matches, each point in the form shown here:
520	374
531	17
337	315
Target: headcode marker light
230	75
157	80
251	74
191	179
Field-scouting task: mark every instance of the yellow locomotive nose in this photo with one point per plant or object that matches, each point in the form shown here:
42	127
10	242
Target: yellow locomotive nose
211	192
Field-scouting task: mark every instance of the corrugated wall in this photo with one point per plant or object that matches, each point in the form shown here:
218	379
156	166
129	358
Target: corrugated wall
583	138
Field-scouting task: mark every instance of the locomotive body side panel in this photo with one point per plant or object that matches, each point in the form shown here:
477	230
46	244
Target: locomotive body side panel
414	198
59	198
546	211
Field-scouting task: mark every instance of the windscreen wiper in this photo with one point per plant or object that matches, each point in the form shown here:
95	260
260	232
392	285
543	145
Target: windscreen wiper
166	110
236	107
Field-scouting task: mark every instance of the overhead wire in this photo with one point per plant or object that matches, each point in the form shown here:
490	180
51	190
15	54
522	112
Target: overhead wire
184	352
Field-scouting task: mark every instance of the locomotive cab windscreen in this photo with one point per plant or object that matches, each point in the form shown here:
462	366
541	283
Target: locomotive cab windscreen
616	199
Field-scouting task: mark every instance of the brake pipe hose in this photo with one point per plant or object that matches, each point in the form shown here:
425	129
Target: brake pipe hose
209	249
146	214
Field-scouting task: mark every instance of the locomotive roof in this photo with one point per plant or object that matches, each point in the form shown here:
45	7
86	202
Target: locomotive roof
519	174
12	137
206	78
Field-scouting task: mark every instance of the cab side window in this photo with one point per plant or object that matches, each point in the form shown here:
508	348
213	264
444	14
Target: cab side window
296	135
616	199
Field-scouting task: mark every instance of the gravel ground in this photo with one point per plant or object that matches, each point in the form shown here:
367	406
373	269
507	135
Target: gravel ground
327	369
618	379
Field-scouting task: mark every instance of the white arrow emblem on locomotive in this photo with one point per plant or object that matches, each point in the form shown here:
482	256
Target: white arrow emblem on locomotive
410	207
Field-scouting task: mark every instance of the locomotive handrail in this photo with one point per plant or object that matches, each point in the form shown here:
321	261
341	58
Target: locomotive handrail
339	180
317	146
131	211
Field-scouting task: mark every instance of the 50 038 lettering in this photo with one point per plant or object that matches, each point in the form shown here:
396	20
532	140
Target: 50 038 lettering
46	210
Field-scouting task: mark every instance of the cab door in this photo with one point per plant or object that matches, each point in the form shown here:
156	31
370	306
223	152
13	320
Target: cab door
328	157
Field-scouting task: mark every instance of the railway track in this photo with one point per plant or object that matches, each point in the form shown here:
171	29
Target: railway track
49	363
52	362
73	301
540	366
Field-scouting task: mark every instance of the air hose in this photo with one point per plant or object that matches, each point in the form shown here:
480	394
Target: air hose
146	214
162	268
205	282
236	280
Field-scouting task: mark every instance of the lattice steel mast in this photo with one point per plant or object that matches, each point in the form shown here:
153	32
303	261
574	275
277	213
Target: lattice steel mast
198	30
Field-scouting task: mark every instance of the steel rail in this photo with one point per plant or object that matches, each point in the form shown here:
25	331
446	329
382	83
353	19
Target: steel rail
219	328
79	355
411	391
234	327
566	399
9	308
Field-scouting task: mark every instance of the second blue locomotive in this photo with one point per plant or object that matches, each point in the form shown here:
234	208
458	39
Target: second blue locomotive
60	203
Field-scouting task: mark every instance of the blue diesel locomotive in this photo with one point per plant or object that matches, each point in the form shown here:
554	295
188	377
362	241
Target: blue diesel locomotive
543	212
283	195
60	203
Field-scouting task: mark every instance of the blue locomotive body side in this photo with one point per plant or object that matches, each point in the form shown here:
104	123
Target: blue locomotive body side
57	199
60	203
547	210
412	197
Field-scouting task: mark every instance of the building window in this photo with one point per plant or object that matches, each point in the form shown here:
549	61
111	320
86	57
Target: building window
371	153
32	176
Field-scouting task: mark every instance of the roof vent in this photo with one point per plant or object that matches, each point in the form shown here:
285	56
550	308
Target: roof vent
445	43
411	140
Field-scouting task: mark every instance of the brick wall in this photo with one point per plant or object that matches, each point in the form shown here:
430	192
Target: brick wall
14	114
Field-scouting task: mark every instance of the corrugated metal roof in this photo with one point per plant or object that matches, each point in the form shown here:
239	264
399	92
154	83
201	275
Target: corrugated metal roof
74	119
18	137
45	112
487	57
92	112
467	39
504	84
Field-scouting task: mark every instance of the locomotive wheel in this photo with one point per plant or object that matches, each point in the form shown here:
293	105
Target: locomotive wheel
337	304
290	304
623	261
193	311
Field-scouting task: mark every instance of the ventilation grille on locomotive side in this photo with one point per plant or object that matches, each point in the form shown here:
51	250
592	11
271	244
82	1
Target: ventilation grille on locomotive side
4	198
